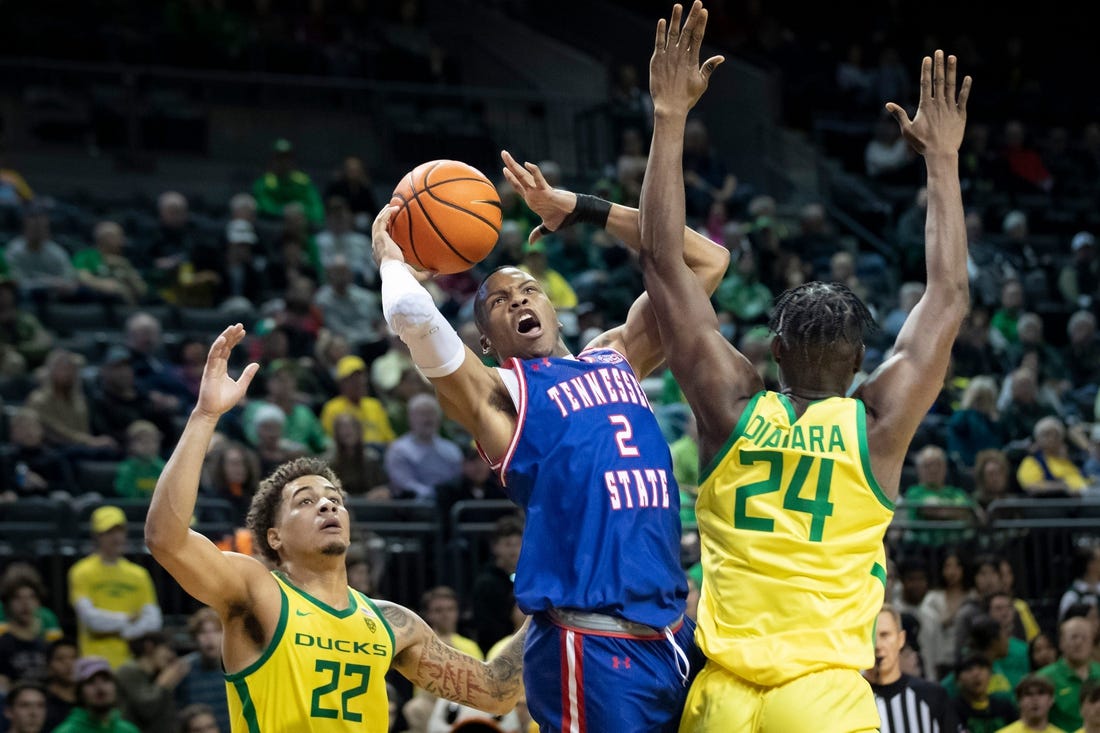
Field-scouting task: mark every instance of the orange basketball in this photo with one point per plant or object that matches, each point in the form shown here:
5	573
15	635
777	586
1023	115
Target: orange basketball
449	216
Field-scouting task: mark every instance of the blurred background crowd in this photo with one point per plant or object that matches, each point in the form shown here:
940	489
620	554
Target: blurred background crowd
169	168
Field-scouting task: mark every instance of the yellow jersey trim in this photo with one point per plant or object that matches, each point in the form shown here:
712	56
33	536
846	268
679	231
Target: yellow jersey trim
353	605
865	456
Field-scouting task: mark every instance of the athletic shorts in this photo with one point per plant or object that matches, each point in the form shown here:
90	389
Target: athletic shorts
829	701
581	681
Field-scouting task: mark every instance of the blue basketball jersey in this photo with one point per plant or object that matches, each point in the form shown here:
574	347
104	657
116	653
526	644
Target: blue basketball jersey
590	466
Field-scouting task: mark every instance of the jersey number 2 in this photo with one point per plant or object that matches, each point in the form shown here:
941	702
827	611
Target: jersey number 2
333	668
818	507
623	435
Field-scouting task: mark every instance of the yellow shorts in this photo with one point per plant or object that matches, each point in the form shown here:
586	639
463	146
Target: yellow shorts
830	701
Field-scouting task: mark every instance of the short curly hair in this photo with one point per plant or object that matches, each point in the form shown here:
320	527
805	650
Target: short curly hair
266	500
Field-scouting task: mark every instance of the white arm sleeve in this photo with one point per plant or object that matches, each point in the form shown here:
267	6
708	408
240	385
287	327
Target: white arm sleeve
150	619
434	345
99	620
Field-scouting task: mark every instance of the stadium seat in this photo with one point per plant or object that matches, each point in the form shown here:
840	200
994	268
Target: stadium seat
97	476
68	319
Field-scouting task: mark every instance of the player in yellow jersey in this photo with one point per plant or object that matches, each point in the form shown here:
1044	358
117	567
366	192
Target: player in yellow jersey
799	485
302	651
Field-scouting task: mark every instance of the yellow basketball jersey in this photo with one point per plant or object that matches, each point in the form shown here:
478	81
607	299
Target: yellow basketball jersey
792	524
323	670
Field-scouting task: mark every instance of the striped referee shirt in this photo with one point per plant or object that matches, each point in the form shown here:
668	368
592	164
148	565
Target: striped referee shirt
913	705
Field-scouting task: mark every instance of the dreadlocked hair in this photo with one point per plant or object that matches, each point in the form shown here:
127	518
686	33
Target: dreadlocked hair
269	495
819	314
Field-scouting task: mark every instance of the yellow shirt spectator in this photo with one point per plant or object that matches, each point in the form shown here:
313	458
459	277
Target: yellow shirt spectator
351	374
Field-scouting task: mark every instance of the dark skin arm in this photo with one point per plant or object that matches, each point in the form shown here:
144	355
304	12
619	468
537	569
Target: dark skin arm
717	380
495	686
898	394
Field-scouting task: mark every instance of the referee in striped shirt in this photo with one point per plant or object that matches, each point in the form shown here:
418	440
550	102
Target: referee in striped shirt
906	704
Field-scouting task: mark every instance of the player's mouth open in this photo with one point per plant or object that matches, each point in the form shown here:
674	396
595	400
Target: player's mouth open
528	325
330	523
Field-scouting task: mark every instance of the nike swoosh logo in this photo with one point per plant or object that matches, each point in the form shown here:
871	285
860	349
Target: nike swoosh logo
301	613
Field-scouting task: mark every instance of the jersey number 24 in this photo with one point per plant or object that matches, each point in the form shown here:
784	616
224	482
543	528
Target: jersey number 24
819	507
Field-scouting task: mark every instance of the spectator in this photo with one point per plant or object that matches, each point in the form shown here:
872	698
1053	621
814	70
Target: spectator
707	179
63	409
987	581
476	482
242	211
1024	164
272	447
1029	334
291	261
24	341
1000	608
1082	355
60	686
887	157
356	462
1090	707
298	317
1079	279
976	709
1048	469
113	598
348	308
138	472
340	239
1069	674
939	609
1003	323
1021	415
25	708
988	639
14	189
908	297
1086	580
232	473
913	573
902	699
351	378
97	700
105	271
204	682
147	683
816	241
353	184
439	607
301	425
909	233
189	363
40	265
975	427
421	459
931	498
175	242
493	596
117	403
556	287
1041	651
153	374
199	718
30	467
23	646
284	183
1025	626
741	293
240	281
972	353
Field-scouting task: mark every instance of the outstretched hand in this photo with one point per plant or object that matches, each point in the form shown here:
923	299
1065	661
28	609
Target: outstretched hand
382	244
551	204
940	121
676	80
219	392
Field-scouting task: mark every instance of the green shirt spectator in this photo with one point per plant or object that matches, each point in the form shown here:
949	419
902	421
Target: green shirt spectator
137	477
933	500
284	184
741	293
301	426
1072	670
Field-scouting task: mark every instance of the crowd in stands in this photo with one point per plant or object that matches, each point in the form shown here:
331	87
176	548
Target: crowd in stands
106	313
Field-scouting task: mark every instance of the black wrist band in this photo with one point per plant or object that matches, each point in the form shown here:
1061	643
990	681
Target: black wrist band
589	210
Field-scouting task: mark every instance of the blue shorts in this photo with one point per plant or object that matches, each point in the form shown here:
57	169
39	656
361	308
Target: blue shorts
580	681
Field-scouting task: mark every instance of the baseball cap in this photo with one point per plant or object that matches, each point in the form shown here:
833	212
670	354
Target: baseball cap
282	145
240	230
116	353
106	518
1083	239
349	365
87	667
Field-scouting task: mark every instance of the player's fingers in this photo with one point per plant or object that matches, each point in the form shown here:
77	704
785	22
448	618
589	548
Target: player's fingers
898	113
710	65
537	233
536	175
674	24
661	40
937	74
949	79
513	181
926	78
383	218
695	25
509	161
964	94
246	376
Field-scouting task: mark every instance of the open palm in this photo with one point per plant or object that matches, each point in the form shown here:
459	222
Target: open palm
218	391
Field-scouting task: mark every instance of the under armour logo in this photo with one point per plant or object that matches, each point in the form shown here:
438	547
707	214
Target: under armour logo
624	662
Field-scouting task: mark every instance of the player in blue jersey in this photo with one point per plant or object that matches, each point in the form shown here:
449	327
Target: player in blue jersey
578	447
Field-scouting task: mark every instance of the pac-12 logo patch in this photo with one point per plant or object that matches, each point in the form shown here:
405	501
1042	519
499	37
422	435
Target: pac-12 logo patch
368	618
603	357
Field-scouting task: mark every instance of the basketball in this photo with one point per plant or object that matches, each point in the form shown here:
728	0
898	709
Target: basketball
449	216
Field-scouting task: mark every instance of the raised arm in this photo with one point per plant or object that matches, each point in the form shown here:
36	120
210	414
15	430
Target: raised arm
639	338
900	391
219	579
716	379
422	657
